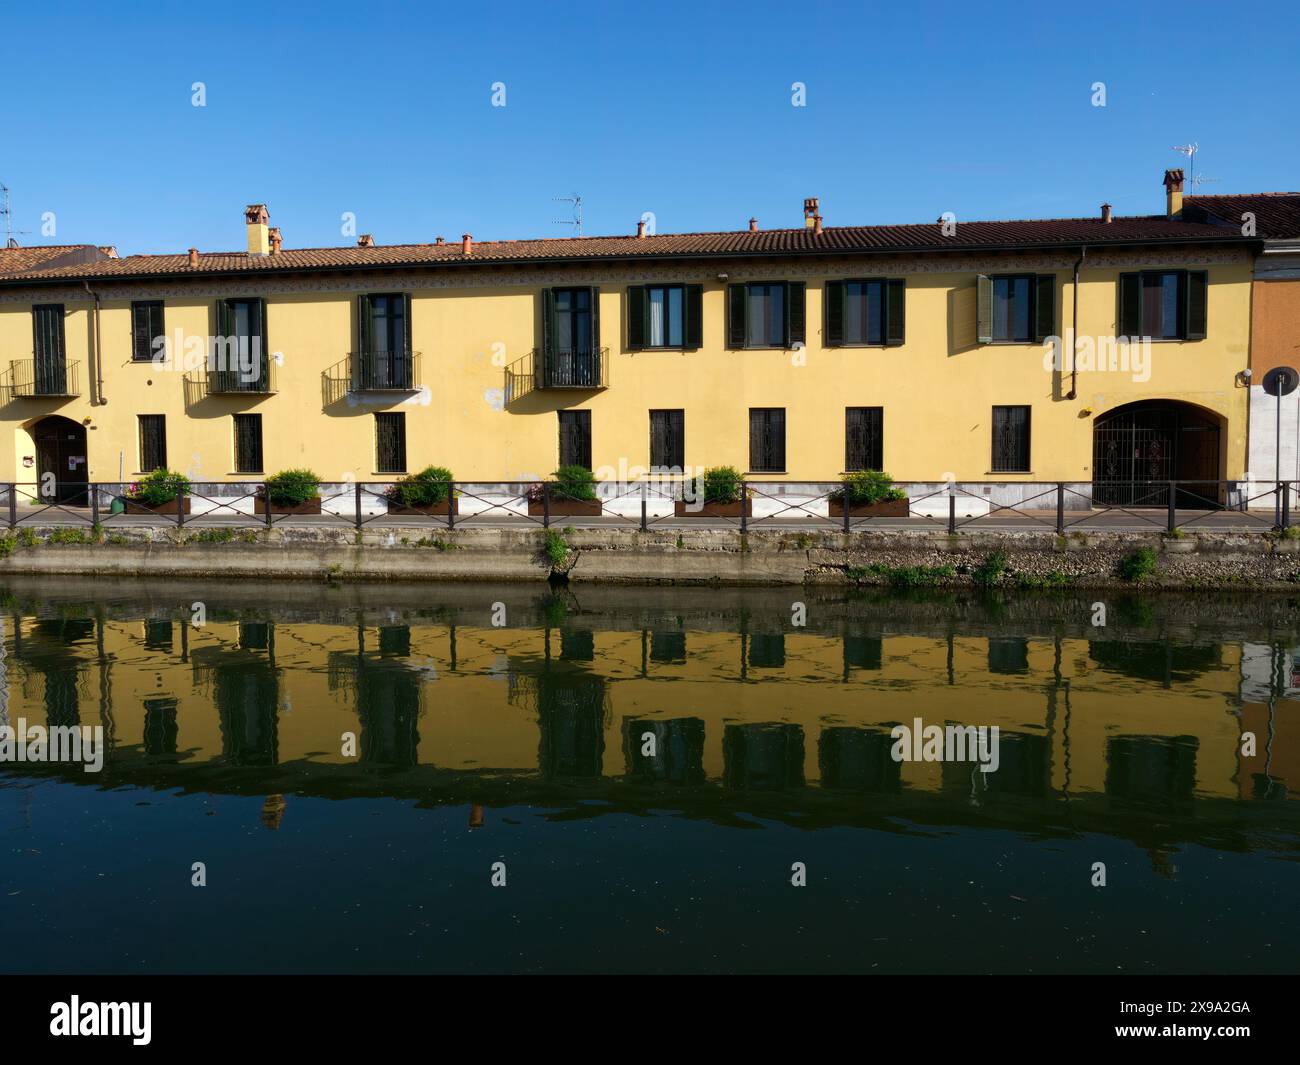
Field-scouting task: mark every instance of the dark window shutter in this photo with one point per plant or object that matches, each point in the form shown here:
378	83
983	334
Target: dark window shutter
694	327
141	328
667	439
834	295
548	321
224	317
1044	307
1130	305
595	318
636	317
796	316
778	438
984	309
153	442
365	325
406	321
895	305
1197	300
737	303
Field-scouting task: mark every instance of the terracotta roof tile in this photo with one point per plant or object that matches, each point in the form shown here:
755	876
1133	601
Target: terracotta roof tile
1277	214
46	256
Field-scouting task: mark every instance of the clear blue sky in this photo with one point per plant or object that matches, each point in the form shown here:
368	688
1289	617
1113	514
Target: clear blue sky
683	109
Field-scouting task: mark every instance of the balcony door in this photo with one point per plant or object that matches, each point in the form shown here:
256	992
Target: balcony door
51	367
571	356
385	358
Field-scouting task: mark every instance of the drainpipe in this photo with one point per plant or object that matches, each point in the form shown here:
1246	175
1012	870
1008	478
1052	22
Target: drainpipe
1074	327
95	379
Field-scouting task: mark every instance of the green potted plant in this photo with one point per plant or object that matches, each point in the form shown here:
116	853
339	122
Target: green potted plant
572	494
724	496
430	491
158	492
289	492
868	493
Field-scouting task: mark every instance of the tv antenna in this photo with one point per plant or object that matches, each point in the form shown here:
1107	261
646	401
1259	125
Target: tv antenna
8	217
1190	151
576	220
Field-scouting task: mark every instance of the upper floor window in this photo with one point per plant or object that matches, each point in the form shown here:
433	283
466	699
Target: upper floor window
765	314
146	329
865	313
664	316
1016	308
1163	304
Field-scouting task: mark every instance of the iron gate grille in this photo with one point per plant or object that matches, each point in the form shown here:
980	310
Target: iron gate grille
1136	453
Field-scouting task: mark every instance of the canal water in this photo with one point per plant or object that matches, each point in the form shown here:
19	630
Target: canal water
484	779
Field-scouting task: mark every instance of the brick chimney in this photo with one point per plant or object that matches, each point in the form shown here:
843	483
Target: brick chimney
1173	193
194	258
753	225
438	240
259	237
640	230
1105	213
466	244
275	238
365	241
811	219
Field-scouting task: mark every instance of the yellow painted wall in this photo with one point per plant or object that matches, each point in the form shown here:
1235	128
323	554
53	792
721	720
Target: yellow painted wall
937	393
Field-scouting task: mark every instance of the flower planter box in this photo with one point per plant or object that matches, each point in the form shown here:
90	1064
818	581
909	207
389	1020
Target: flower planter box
307	506
885	508
431	509
169	507
683	509
566	508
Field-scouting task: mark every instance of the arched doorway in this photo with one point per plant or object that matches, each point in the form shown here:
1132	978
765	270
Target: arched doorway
1139	448
61	450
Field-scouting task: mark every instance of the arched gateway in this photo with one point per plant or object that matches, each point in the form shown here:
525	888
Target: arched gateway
1139	448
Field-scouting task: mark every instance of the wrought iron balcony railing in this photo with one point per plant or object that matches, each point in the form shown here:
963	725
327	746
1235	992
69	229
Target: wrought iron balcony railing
556	369
384	371
259	380
45	377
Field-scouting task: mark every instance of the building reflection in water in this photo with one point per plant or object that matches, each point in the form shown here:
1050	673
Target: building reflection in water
664	750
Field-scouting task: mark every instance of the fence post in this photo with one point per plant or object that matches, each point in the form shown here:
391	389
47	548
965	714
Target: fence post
451	504
546	504
952	514
1173	517
644	525
180	506
94	505
356	496
13	506
844	499
1060	508
266	503
1286	504
744	508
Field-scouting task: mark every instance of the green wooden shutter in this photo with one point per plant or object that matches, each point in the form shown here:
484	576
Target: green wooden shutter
984	309
895	305
406	320
264	366
595	318
796	313
833	293
548	321
1196	304
636	317
1044	307
1130	305
141	342
737	315
365	326
694	327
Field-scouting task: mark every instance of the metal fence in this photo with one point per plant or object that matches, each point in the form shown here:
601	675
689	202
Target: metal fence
1060	506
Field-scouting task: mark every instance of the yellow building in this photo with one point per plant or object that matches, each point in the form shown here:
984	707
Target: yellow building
791	354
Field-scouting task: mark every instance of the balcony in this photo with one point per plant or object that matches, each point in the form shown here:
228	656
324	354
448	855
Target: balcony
384	371
260	381
47	377
556	370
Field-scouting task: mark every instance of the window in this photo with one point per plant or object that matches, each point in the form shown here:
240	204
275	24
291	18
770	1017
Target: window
864	313
765	314
571	339
1011	439
384	358
767	439
1016	308
240	362
248	443
664	316
1163	304
51	368
153	442
863	438
390	443
667	440
146	329
575	438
